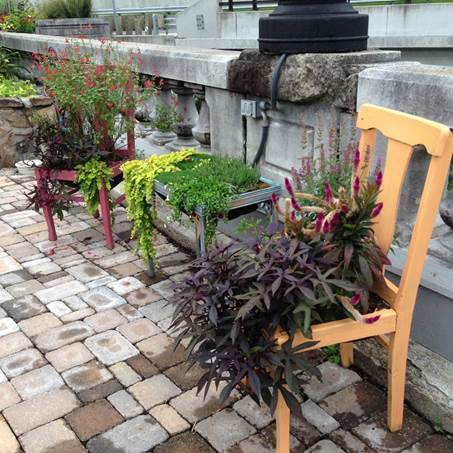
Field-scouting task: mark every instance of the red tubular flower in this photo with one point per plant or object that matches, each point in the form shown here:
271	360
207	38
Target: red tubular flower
327	192
356	159
289	187
379	178
372	319
274	197
112	88
356	186
355	299
335	219
377	210
295	204
326	227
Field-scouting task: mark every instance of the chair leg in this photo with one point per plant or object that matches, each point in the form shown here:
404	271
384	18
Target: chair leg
396	371
346	354
283	418
106	218
47	211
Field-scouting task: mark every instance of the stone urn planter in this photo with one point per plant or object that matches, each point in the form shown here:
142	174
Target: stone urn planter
89	27
16	126
446	210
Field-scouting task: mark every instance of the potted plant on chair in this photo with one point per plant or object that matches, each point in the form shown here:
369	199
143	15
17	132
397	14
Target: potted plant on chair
94	104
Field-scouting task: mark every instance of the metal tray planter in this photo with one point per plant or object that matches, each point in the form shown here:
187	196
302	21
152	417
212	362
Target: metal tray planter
238	205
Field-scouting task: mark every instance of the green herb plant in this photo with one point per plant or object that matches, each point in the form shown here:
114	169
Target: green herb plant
91	175
16	88
165	118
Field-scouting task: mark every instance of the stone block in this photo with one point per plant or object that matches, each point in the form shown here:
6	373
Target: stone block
125	374
23	307
185	375
348	442
21	362
160	349
8	264
143	429
7	438
110	347
86	272
100	391
195	407
102	298
139	330
318	417
60	291
53	437
61	336
113	260
213	429
129	312
77	315
375	434
69	356
13	343
126	285
86	376
38	411
325	446
169	419
59	308
7	326
8	397
142	297
125	404
153	391
254	414
105	320
188	442
435	443
334	378
40	323
142	366
35	382
95	418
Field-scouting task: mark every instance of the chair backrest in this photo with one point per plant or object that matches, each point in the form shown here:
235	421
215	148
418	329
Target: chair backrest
403	132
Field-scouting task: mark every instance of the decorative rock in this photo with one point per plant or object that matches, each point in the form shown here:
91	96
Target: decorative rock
95	418
169	419
37	381
153	391
334	378
40	101
224	429
86	376
145	432
63	335
43	409
54	436
110	347
11	103
69	356
125	404
102	298
21	362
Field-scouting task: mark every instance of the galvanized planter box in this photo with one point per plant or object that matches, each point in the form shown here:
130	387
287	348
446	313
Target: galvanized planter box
239	205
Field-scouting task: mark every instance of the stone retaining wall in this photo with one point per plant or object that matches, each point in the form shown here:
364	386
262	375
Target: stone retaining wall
16	125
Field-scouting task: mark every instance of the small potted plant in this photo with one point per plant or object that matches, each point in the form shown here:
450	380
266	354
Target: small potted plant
164	121
239	298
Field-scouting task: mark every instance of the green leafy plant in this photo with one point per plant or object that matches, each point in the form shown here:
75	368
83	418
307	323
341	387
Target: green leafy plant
210	182
139	176
91	175
65	9
16	88
333	353
9	62
19	22
165	117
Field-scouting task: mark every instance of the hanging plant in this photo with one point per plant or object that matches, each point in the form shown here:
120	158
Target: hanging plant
91	175
139	176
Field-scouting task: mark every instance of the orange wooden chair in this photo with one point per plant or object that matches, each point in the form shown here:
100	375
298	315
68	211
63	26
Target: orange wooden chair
403	132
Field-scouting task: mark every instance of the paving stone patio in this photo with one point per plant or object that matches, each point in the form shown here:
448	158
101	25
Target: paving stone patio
87	360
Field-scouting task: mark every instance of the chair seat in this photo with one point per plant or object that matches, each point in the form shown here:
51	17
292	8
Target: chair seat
345	330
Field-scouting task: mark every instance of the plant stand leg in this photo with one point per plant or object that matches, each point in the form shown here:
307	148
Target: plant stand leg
346	354
106	217
283	418
47	210
200	233
151	268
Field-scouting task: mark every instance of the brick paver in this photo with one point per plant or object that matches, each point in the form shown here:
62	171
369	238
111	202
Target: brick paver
87	359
